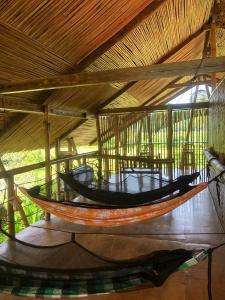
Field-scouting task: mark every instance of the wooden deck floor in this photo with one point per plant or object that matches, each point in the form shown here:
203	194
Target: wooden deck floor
185	227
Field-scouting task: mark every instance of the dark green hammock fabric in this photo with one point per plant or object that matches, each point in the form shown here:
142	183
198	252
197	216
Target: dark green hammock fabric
148	271
121	199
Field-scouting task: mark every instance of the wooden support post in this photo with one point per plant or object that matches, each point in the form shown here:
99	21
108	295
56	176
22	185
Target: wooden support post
116	133
11	194
188	152
47	157
98	129
192	115
58	188
68	167
9	181
170	143
70	149
207	91
213	45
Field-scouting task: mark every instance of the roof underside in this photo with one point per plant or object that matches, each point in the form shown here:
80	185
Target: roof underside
45	38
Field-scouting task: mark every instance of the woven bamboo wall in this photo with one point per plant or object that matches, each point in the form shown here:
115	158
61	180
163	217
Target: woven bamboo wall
217	121
217	143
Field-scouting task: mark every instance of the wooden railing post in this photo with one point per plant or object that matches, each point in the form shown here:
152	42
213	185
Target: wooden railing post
170	143
11	194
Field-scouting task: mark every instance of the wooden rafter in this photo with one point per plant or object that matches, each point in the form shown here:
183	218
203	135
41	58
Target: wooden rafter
183	68
32	108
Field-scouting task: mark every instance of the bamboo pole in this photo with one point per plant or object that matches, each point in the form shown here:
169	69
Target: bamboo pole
46	125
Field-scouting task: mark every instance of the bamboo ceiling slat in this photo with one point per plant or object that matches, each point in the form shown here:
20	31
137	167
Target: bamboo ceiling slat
221	42
88	130
85	98
171	24
72	28
23	58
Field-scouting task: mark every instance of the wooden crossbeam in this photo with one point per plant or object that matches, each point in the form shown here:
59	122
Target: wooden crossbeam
32	108
184	68
191	84
154	108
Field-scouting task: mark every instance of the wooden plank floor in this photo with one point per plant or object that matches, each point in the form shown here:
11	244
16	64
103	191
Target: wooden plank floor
185	227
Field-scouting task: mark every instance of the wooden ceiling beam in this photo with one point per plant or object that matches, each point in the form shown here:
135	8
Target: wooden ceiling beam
31	108
154	108
191	84
183	68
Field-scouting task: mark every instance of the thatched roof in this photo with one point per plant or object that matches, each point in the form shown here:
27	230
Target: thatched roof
45	38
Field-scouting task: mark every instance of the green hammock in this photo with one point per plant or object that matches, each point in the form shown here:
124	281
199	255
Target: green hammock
148	271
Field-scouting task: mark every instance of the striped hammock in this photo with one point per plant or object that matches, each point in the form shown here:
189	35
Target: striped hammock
149	271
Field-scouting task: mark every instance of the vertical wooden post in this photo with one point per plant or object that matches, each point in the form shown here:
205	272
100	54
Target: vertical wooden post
70	149
9	181
58	188
98	135
213	44
191	117
170	143
98	129
46	125
116	129
11	194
